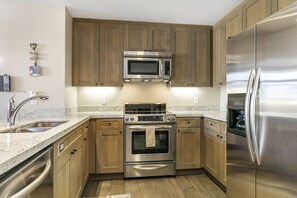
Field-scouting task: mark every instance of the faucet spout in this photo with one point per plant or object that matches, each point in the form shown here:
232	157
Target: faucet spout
12	111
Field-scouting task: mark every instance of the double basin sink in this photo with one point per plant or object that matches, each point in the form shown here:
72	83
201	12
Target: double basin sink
37	127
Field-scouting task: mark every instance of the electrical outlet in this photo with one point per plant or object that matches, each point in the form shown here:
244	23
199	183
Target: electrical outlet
196	100
33	93
103	100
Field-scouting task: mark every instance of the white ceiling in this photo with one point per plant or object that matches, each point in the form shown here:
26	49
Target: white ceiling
203	12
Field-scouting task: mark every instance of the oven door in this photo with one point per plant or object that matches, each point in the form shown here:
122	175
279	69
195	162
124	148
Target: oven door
135	144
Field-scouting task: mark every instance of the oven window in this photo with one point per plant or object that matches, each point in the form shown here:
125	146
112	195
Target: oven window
139	147
143	67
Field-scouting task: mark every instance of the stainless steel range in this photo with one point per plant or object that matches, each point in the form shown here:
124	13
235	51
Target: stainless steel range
150	134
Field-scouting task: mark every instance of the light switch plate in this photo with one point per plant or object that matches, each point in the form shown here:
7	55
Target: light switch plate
103	100
196	100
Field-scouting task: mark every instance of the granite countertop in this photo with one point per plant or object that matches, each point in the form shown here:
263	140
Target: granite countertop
17	147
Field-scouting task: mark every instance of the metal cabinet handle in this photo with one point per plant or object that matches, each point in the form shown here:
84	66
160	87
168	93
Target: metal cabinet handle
33	185
149	167
247	113
253	115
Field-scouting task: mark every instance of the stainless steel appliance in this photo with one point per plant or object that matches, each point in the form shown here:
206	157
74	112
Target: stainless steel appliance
143	161
262	109
33	178
144	66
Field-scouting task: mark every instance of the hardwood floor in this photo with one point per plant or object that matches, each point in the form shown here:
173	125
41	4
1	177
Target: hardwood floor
191	186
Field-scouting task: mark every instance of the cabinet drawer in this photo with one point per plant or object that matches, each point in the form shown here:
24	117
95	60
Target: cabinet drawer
223	127
212	133
187	122
65	143
212	124
109	124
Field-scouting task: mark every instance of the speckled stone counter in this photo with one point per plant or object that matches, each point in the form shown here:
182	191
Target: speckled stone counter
17	147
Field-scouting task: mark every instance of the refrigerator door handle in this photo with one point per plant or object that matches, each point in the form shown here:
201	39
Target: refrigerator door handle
253	115
247	113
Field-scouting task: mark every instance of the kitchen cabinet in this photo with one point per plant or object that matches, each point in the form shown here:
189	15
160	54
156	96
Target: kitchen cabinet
277	5
143	37
68	164
219	66
109	146
97	53
215	149
85	53
180	47
200	57
111	54
188	143
85	150
192	56
254	11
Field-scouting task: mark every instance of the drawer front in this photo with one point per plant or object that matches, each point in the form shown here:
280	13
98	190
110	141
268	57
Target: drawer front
109	123
212	124
66	142
212	133
188	122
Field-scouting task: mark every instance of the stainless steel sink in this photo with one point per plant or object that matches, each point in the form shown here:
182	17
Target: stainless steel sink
37	127
45	124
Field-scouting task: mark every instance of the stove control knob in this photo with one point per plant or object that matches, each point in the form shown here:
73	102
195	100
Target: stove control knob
132	118
168	118
173	118
161	118
127	118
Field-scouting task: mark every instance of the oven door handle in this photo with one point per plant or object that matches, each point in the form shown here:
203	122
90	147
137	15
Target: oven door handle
149	167
143	127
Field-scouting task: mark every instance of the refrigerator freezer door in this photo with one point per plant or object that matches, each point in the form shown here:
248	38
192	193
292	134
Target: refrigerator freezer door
240	60
276	105
240	167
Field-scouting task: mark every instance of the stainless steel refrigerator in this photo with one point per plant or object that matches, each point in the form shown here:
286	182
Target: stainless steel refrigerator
262	109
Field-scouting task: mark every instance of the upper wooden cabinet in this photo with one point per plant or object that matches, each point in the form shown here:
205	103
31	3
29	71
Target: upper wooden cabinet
85	54
150	38
277	5
219	66
180	47
191	56
254	11
111	54
200	57
97	54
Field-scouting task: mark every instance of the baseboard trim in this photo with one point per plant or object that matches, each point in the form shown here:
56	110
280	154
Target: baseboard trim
109	176
197	171
219	184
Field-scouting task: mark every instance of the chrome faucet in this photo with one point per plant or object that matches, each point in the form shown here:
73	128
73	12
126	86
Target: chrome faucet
13	110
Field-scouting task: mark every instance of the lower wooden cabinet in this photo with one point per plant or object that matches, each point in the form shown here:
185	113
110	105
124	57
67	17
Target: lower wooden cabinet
70	174
109	146
188	143
215	149
85	153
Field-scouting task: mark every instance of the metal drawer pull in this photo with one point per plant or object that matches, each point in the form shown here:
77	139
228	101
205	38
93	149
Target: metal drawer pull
28	189
149	167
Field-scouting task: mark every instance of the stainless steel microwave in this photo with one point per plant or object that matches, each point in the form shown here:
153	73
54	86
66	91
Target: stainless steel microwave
144	66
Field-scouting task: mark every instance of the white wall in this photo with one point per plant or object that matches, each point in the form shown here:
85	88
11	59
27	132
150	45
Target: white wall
223	98
20	25
148	92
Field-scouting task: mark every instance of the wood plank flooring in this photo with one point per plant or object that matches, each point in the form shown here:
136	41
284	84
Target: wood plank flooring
191	186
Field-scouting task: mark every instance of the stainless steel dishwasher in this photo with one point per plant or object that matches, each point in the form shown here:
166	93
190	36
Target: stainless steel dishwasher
32	178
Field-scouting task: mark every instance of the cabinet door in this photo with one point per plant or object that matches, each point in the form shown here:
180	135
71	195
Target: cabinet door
200	57
62	182
277	5
135	37
222	160
85	54
159	38
254	11
109	147
180	47
211	153
85	154
111	54
75	173
219	68
188	148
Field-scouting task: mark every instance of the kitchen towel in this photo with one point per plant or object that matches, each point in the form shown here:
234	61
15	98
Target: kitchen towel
150	140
